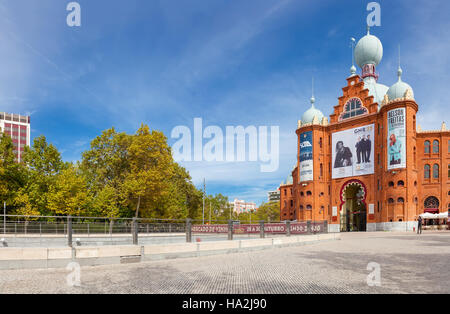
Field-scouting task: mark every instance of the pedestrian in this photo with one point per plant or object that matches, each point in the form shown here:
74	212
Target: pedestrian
419	225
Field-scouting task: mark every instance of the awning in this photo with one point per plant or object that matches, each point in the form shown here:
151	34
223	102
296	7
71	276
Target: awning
429	216
434	216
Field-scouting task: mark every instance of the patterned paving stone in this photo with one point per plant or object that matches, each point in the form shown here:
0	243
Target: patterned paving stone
409	264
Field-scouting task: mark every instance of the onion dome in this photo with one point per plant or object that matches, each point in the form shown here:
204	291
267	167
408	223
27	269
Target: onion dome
289	180
400	89
369	50
312	113
376	90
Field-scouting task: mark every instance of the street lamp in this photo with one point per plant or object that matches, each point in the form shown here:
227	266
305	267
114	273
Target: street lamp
251	212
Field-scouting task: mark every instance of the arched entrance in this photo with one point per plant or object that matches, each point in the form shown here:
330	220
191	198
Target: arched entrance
431	205
353	207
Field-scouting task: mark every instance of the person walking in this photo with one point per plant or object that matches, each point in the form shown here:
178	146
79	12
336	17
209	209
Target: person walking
419	225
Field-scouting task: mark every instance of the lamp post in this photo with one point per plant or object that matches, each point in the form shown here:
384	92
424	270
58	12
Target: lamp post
4	217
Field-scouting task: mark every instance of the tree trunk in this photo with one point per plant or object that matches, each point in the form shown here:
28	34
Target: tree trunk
137	207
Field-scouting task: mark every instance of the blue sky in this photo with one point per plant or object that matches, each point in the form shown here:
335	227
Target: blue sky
231	62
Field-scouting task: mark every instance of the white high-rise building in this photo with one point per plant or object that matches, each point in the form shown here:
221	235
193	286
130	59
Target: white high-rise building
19	128
240	206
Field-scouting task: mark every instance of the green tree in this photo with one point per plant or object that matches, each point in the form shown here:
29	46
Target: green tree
106	166
12	174
68	195
43	163
151	167
269	212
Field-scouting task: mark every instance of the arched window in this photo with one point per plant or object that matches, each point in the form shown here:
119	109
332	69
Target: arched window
436	147
391	183
449	171
308	207
436	171
309	193
353	108
427	172
427	146
302	194
401	183
431	203
301	207
448	207
401	200
391	201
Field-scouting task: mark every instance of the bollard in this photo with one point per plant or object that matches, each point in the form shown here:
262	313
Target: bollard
134	230
69	231
308	226
288	228
325	226
261	229
188	230
230	230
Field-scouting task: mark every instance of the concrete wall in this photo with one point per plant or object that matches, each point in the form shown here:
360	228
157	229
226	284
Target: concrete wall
20	258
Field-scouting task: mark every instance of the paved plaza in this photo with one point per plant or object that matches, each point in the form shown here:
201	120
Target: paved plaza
409	264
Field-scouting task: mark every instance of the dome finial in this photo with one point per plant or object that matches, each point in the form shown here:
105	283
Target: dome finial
353	68
368	29
399	71
313	99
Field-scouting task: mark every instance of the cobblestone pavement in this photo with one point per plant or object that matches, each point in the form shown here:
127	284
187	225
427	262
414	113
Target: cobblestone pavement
409	264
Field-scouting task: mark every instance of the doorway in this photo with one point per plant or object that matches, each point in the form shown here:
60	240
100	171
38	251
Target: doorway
353	210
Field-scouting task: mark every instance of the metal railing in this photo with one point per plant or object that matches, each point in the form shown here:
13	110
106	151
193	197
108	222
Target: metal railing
58	230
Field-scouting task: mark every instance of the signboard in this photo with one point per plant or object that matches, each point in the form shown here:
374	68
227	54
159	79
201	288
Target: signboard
299	228
353	152
210	228
306	157
396	139
274	228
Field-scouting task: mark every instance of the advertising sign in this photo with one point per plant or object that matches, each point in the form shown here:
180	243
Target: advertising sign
210	228
353	152
306	157
396	139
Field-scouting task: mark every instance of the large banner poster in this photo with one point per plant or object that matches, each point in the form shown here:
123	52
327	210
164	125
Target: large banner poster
396	139
306	157
353	152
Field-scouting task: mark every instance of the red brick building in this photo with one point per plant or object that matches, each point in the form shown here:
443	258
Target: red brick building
369	166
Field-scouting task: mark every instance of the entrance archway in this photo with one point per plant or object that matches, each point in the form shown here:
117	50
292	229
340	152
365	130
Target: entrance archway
431	205
353	207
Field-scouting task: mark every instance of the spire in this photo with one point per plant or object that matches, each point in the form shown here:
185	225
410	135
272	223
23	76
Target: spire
353	68
399	71
313	99
368	29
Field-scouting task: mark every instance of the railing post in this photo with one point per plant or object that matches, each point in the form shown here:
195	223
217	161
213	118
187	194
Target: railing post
261	229
188	230
69	231
308	225
288	228
230	230
135	231
325	226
